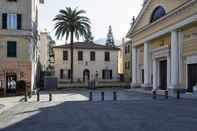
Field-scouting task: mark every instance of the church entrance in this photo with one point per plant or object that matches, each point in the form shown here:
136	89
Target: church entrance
163	74
192	77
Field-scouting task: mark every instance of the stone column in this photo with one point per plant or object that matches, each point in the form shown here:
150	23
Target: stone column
147	75
154	74
134	66
174	60
168	71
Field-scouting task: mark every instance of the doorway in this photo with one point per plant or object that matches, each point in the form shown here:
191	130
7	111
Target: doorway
192	77
163	74
11	79
86	75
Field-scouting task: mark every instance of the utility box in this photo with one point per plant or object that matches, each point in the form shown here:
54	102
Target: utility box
50	82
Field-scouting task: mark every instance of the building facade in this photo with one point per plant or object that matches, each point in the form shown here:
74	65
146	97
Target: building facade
164	45
18	42
91	62
127	61
46	50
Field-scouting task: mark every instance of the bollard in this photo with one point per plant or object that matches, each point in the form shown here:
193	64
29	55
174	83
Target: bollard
166	94
38	96
102	96
90	96
154	95
114	96
50	96
178	94
25	96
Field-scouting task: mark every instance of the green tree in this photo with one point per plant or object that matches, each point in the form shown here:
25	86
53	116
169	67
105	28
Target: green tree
89	37
71	23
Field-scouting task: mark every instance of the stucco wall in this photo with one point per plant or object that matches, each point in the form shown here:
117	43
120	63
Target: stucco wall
22	48
190	40
168	5
163	24
161	41
92	66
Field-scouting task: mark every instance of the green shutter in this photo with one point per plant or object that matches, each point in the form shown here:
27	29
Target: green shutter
19	21
4	21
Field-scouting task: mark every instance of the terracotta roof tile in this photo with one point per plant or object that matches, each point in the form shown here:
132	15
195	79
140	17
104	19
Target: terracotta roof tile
87	45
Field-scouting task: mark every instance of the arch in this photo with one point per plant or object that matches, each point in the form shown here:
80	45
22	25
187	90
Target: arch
86	75
158	12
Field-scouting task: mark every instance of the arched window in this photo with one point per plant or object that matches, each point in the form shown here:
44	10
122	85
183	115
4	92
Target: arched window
157	13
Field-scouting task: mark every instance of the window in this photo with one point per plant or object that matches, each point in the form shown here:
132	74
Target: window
107	74
107	56
125	50
11	21
69	74
11	49
80	55
157	13
65	55
61	74
65	74
128	49
92	56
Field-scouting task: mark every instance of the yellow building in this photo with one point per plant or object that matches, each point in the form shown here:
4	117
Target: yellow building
91	62
18	43
127	59
164	48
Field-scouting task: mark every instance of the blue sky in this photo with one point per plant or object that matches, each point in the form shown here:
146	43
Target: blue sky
102	13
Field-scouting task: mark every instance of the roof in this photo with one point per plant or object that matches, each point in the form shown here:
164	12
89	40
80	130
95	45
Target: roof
87	45
145	6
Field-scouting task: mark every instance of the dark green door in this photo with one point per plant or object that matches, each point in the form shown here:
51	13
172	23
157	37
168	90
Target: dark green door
163	75
192	77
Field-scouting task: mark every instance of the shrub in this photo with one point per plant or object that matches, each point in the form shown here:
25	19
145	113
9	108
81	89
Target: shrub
20	85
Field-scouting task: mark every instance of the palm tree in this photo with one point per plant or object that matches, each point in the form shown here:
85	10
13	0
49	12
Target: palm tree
71	23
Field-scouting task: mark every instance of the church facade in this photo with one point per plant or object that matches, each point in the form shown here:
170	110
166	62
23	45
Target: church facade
164	45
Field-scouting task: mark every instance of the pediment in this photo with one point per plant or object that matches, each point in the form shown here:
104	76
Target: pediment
144	18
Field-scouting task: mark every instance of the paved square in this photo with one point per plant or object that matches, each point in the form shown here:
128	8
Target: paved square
142	114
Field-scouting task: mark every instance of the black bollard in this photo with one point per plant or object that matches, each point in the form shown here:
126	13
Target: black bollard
115	96
166	94
38	96
25	96
50	96
178	94
90	96
154	95
102	96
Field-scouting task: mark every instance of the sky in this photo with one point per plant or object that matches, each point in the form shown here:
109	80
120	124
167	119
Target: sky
102	13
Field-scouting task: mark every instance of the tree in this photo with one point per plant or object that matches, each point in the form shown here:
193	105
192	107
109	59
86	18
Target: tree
89	37
71	24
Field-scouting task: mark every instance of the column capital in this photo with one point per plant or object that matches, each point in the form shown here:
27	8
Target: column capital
174	31
146	42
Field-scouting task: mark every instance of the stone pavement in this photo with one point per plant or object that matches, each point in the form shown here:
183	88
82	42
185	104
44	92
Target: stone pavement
83	95
134	115
1	106
9	102
71	111
170	93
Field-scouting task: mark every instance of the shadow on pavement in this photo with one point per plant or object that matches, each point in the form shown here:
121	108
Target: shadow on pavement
149	115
